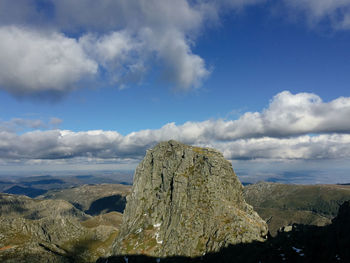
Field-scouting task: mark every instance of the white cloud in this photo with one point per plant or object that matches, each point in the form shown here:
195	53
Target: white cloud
58	144
122	37
119	53
287	115
141	29
281	131
336	11
333	146
182	68
108	47
32	62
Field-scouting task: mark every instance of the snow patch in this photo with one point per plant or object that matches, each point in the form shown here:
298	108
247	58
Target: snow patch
157	238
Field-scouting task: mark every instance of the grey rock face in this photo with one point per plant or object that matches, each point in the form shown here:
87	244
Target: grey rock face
185	201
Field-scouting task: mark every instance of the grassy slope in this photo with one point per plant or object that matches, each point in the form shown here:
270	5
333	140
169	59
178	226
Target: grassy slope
34	230
282	204
83	197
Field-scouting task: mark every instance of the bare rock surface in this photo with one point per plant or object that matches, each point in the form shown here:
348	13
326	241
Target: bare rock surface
186	201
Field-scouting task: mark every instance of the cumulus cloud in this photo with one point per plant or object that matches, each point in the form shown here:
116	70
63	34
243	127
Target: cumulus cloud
299	126
289	115
183	68
332	146
32	62
60	144
109	47
120	54
111	35
122	38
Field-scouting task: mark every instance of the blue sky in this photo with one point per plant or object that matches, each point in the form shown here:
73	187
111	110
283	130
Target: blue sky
89	87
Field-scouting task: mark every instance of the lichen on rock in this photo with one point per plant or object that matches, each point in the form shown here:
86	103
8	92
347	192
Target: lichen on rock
185	201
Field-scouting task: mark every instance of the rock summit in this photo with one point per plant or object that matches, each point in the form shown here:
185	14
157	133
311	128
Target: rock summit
185	201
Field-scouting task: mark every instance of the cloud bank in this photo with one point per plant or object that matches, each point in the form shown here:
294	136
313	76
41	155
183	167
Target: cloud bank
64	42
293	126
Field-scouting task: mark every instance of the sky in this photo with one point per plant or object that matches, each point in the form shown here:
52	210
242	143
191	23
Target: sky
88	86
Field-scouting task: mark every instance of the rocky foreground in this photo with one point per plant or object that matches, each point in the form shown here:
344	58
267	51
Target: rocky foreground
186	201
52	231
299	243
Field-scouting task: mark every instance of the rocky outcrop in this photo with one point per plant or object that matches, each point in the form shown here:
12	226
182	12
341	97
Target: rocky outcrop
186	201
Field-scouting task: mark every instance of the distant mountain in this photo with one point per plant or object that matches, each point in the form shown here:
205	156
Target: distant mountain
45	181
84	176
102	179
5	182
28	191
5	185
27	185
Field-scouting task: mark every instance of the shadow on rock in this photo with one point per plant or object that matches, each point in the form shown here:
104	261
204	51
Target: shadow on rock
107	204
